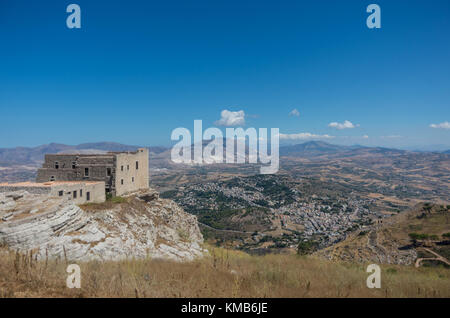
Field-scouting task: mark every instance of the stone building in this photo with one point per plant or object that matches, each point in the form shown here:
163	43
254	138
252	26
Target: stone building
122	172
77	191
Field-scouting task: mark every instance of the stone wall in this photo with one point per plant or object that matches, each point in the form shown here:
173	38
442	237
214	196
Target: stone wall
122	172
72	168
78	192
30	189
132	171
95	191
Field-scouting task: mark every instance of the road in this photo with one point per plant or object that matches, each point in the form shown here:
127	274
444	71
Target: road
437	258
229	231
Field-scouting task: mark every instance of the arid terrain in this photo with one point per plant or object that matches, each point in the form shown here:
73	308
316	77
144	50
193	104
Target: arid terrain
224	273
333	208
322	193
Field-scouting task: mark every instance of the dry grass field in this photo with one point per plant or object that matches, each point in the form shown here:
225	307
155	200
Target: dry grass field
223	273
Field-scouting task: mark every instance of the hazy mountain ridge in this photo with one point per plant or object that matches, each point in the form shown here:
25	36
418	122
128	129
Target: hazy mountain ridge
33	155
320	148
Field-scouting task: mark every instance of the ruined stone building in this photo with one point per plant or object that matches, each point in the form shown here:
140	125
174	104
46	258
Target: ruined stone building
122	172
77	191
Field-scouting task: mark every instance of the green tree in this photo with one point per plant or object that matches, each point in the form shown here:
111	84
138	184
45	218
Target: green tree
307	247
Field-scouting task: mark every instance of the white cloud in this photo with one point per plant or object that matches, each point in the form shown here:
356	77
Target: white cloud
229	118
444	125
345	125
294	112
365	137
391	136
304	136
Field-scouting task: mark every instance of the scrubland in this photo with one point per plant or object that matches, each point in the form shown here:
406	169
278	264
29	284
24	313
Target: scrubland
222	273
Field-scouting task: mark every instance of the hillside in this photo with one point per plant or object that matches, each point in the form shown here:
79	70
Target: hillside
138	226
390	242
223	273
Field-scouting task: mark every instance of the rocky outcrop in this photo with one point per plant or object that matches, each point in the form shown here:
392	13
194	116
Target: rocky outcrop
141	226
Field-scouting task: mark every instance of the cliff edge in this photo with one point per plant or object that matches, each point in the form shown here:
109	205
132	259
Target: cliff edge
138	226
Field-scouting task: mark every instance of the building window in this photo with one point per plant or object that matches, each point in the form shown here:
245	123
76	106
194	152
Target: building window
86	172
108	172
52	178
60	193
121	168
137	165
56	165
121	181
81	193
74	164
88	196
128	167
75	194
132	179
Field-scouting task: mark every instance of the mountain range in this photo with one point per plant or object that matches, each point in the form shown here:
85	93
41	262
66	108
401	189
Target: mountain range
35	155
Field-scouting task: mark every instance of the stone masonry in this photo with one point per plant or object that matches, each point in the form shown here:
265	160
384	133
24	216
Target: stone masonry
78	192
122	172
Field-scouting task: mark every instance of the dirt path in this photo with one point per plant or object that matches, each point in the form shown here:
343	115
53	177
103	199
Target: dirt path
379	250
437	258
229	231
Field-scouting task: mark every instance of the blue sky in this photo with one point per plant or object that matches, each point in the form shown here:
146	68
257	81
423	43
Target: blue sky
136	70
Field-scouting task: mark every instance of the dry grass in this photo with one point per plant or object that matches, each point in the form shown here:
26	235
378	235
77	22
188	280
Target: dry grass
109	204
222	274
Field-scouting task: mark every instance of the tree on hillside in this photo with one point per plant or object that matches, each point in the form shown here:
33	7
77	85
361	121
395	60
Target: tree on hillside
427	208
307	247
417	237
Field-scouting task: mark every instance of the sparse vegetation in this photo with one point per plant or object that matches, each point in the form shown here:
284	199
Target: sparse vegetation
108	204
224	273
118	200
418	236
307	247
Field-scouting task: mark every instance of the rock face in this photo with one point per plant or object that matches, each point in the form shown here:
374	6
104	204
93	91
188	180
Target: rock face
144	225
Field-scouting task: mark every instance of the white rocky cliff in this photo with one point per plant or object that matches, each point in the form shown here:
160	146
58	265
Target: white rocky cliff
143	226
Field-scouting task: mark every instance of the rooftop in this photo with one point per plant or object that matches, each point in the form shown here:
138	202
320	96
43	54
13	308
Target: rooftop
97	153
46	184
